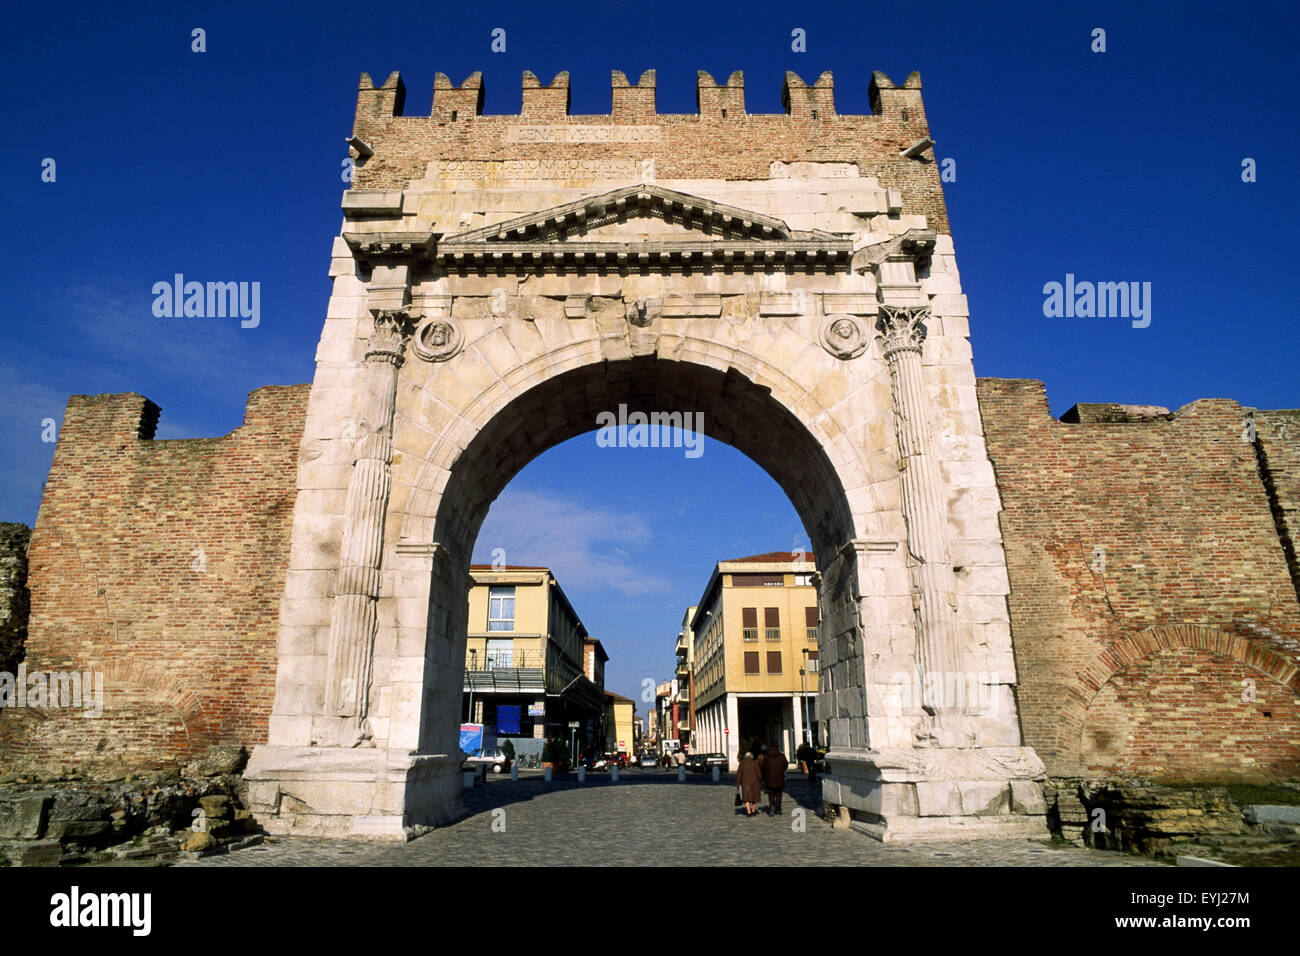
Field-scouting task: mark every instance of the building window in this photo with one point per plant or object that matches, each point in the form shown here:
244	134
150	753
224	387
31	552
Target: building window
500	654
501	608
772	623
757	580
803	580
810	623
812	662
774	662
749	623
751	662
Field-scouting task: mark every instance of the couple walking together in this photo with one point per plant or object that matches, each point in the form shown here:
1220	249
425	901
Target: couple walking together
767	771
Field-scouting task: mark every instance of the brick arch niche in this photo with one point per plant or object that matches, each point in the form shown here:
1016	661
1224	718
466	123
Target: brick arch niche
1189	702
146	717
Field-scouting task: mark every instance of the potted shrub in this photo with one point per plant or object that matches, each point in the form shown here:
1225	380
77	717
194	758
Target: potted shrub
555	754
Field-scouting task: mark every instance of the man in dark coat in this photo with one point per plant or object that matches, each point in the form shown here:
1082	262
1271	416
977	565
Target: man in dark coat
774	777
808	757
747	779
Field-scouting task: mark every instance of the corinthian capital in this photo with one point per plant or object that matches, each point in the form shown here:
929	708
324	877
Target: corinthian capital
903	327
388	339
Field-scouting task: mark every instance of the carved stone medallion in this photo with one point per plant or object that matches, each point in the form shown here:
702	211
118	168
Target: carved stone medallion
437	339
637	313
844	336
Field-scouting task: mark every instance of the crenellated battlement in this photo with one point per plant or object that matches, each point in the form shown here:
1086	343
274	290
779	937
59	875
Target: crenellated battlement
815	102
716	101
634	142
713	100
451	102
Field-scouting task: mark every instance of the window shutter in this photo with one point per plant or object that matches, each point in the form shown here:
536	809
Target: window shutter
757	580
751	662
774	662
771	617
749	617
810	616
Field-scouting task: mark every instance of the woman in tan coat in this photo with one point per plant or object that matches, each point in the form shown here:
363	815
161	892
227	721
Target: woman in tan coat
747	779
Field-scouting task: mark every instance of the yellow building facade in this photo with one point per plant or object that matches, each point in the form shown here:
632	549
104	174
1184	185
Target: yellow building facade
526	660
620	732
754	647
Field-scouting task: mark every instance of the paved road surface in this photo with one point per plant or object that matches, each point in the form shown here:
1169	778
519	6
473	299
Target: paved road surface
647	819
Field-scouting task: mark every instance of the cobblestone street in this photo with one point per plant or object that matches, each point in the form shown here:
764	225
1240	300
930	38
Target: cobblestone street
647	819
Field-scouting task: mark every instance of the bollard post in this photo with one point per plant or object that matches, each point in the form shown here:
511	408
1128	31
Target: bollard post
613	774
681	774
548	774
582	774
468	780
514	773
717	774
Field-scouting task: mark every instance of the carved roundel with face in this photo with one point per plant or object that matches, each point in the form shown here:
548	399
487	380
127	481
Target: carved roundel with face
436	340
844	336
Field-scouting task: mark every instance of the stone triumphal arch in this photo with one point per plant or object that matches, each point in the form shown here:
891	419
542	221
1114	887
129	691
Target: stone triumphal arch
499	281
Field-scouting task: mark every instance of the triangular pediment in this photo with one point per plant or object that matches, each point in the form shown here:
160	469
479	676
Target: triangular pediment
643	228
632	211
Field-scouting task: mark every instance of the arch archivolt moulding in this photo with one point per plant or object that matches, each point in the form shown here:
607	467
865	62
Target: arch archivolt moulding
799	398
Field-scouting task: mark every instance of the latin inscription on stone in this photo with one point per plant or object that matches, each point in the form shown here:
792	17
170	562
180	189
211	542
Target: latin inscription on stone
513	169
582	134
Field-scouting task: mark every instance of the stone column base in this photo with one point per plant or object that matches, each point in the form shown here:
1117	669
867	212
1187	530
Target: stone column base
934	794
360	794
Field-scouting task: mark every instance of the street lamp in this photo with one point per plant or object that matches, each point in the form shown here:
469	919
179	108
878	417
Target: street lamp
473	664
804	680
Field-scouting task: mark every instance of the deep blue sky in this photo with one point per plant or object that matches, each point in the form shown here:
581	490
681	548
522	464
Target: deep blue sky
225	165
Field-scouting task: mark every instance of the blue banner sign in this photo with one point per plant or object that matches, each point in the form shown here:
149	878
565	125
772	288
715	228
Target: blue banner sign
471	737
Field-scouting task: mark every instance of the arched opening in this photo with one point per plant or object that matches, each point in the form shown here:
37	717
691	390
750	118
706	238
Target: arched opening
726	406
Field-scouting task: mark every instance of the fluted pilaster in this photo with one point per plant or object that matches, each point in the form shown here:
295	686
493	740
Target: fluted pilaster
934	585
356	584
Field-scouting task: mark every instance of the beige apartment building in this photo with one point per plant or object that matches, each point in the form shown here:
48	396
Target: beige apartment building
620	720
753	641
531	669
683	713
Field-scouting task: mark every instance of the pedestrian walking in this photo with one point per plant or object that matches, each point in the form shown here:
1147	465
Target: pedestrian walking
808	757
774	778
747	781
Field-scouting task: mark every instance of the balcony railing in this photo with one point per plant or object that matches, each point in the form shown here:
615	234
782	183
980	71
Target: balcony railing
507	680
504	660
506	672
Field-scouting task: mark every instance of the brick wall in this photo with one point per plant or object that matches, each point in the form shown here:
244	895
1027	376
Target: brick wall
159	564
1131	657
702	145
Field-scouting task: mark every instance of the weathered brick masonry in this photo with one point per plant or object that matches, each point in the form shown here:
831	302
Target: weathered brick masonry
161	565
1149	582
